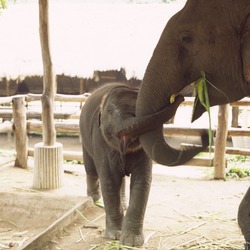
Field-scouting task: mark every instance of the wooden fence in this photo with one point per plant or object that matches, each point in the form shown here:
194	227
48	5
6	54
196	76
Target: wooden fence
21	121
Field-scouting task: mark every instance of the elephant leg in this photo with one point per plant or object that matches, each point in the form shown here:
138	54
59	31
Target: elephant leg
244	218
93	187
123	193
132	228
111	188
92	179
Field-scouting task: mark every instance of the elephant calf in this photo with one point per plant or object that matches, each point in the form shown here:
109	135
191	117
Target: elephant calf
111	150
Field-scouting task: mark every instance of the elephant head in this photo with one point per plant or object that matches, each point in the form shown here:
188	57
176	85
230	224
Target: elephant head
205	36
117	121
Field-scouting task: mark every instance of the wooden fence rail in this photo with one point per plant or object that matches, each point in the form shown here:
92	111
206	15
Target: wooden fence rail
71	126
168	129
37	97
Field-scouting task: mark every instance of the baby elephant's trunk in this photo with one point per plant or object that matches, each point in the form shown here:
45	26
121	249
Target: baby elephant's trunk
135	126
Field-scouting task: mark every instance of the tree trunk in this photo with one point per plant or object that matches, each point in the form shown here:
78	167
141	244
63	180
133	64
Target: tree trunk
20	129
48	156
235	117
220	143
7	85
49	84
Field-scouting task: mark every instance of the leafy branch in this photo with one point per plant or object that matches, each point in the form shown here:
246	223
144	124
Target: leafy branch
200	87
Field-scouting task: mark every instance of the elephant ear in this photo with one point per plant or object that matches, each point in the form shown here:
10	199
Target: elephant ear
245	49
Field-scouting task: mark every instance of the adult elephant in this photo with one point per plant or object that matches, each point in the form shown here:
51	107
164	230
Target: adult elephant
210	36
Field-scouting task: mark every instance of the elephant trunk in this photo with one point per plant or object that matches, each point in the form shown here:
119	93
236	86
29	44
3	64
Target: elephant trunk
154	94
135	126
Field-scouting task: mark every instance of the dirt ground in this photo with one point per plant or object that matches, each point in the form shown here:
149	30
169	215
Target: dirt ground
186	208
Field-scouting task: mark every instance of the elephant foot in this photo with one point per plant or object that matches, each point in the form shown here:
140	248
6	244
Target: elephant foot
112	234
131	239
247	246
95	197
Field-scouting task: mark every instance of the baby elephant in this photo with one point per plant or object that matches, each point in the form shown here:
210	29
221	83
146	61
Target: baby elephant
111	150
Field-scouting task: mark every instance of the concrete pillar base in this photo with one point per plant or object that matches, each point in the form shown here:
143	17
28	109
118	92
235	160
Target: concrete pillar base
48	166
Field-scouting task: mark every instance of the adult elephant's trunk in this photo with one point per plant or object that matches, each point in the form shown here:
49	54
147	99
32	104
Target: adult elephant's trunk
156	90
135	126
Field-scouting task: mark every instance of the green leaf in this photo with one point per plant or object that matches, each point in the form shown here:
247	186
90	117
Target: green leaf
3	4
200	87
99	203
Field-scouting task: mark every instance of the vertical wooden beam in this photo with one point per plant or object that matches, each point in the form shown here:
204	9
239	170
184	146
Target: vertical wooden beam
49	84
20	132
220	143
235	117
7	86
81	89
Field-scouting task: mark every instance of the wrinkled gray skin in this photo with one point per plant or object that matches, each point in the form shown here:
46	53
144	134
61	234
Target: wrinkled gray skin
206	35
111	150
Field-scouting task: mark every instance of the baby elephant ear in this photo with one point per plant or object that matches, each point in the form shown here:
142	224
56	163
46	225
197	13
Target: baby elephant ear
245	49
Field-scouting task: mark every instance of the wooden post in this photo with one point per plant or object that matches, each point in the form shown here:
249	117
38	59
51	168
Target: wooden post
235	117
20	132
220	142
7	86
48	156
49	85
81	89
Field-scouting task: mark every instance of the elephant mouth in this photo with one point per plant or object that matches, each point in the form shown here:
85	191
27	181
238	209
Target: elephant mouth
128	144
197	108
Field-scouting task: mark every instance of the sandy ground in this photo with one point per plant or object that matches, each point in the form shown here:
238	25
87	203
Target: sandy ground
186	208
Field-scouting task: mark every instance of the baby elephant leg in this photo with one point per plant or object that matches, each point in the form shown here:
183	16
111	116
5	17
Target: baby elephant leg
111	188
92	179
132	227
93	187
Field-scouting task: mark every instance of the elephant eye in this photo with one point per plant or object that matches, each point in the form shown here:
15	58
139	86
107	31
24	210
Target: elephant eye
109	109
186	37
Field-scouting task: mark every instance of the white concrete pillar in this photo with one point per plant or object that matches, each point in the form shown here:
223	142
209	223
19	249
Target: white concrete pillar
48	166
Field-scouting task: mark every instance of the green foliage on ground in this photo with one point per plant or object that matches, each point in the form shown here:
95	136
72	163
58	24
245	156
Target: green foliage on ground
238	166
73	162
7	153
238	172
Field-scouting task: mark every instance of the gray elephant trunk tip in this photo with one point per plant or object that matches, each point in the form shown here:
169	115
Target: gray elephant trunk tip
175	157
